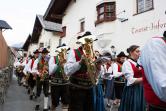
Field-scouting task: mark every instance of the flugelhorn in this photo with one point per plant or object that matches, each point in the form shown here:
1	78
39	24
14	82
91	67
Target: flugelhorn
43	70
62	59
89	58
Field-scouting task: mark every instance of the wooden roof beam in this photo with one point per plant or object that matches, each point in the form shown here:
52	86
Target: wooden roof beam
56	16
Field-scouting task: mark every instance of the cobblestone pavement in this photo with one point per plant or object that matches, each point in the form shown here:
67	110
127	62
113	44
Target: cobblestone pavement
18	100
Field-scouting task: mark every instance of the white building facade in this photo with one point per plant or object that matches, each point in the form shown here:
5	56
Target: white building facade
49	40
118	23
45	34
32	48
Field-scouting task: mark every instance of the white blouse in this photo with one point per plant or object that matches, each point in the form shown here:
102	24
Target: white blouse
107	71
128	71
116	73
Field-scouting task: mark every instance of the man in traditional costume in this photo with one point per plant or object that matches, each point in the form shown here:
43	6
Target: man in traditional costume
82	74
40	69
19	70
153	60
59	81
31	77
119	79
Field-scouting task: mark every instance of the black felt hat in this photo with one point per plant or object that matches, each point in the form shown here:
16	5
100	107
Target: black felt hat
36	51
63	46
86	35
45	51
121	54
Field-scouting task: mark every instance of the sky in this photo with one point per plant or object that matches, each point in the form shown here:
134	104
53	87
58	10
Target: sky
20	15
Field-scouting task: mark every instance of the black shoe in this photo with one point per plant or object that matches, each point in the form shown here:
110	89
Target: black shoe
45	109
19	84
35	97
49	93
37	107
31	97
108	105
49	107
26	86
33	94
52	108
28	91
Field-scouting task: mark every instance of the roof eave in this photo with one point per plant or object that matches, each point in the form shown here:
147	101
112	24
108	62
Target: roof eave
55	10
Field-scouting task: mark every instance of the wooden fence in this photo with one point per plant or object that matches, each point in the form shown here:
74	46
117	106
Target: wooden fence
6	56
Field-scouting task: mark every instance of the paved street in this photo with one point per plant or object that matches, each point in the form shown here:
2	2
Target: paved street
18	100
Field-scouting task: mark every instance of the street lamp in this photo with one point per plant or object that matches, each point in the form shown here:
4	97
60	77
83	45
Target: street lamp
122	19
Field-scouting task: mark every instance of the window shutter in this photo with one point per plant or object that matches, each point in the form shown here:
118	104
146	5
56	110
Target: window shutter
140	6
144	5
82	26
64	31
148	4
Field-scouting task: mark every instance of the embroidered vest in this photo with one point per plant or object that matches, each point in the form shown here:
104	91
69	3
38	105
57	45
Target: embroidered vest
43	69
57	78
80	78
32	63
121	78
137	71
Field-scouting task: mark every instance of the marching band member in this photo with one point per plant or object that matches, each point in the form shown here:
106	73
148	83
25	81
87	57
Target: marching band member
31	79
19	70
40	69
59	81
16	64
25	71
98	89
119	79
82	78
109	90
132	97
153	60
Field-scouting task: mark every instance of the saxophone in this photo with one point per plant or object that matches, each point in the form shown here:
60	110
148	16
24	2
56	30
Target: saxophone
89	58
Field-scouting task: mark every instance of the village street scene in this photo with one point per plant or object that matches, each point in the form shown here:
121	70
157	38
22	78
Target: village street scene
83	55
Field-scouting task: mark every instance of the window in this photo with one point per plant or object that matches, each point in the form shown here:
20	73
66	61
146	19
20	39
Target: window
49	44
106	12
60	41
64	31
25	54
82	26
41	45
144	5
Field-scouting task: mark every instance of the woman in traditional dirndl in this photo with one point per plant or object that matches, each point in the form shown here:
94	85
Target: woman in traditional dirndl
132	97
109	91
98	91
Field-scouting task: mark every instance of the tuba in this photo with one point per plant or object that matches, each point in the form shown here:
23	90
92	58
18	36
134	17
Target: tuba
89	58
